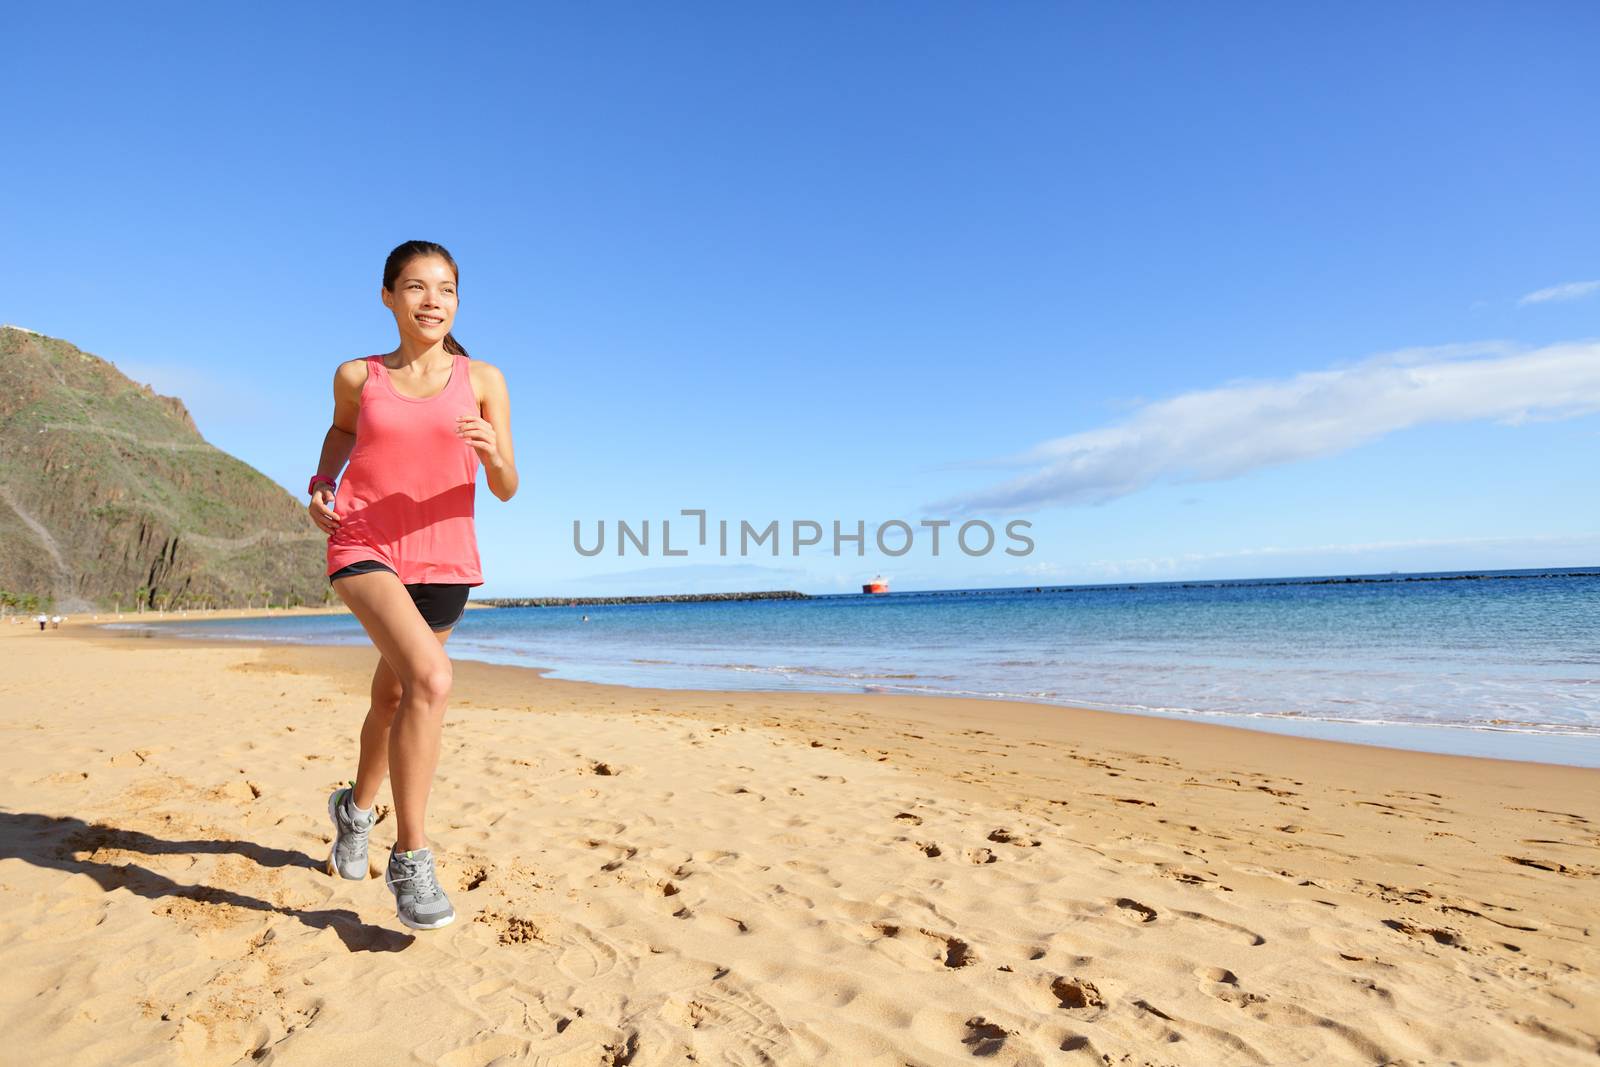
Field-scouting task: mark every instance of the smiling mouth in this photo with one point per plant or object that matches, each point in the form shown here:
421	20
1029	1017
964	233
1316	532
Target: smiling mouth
429	321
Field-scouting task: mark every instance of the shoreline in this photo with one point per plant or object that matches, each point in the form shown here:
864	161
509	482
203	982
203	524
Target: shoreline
1459	740
861	878
509	684
505	683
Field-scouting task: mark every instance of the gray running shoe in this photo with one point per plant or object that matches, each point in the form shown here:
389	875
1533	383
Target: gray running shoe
419	901
348	859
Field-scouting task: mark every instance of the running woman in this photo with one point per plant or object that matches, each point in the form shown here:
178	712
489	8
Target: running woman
415	425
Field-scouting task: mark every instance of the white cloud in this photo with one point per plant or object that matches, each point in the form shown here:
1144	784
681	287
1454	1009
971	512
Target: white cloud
1565	291
1215	434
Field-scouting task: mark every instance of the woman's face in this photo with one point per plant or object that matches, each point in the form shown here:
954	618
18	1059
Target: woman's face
423	299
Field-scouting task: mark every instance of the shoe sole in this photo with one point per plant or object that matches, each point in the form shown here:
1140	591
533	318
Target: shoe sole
446	921
333	867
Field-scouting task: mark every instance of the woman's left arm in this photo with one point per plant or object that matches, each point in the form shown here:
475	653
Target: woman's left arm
490	431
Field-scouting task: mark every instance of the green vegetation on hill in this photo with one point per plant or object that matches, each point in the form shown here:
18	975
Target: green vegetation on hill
109	496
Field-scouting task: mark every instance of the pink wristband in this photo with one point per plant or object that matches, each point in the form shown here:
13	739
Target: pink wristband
317	479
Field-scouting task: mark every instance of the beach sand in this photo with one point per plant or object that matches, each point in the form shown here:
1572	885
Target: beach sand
654	877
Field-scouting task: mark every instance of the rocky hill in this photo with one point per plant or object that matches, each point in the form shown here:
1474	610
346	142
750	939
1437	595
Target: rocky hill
108	494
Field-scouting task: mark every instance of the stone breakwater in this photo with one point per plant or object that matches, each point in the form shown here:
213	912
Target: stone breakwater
670	598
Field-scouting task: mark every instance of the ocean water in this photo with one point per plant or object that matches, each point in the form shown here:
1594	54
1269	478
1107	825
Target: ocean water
1503	663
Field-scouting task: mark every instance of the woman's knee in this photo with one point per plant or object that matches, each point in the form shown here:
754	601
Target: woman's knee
386	691
386	701
432	683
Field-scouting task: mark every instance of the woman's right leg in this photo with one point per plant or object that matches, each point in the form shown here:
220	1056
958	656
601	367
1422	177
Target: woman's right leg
418	661
374	765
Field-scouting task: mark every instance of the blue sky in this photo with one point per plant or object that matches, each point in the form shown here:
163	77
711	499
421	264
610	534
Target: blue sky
1197	292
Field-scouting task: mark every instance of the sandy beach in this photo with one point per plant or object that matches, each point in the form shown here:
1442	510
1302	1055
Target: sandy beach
651	877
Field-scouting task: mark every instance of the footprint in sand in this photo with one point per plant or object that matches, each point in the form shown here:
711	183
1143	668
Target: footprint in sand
984	1038
1222	984
732	789
244	792
1075	994
1398	812
739	1025
714	856
509	929
576	1042
619	853
924	945
1490	918
1186	877
495	1049
1438	935
1249	937
585	954
1545	811
729	923
63	778
1228	1047
819	870
473	876
1138	801
1145	913
1554	867
1275	1013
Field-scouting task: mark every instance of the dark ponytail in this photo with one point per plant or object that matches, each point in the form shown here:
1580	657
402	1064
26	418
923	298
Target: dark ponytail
404	254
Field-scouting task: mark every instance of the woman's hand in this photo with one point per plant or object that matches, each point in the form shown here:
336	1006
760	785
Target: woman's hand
478	433
321	509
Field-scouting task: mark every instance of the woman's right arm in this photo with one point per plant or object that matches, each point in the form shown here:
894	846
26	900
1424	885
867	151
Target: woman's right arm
340	439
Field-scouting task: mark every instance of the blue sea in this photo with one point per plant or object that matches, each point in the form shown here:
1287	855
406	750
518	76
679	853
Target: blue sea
1503	663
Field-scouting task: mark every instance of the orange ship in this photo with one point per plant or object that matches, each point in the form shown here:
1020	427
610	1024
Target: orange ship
880	584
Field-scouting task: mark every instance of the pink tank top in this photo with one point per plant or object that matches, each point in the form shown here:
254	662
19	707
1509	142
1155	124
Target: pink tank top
406	498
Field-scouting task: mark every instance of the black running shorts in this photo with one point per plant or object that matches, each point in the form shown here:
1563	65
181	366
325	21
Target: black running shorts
441	603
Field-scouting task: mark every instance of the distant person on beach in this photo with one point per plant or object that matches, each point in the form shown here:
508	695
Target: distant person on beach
415	425
43	618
